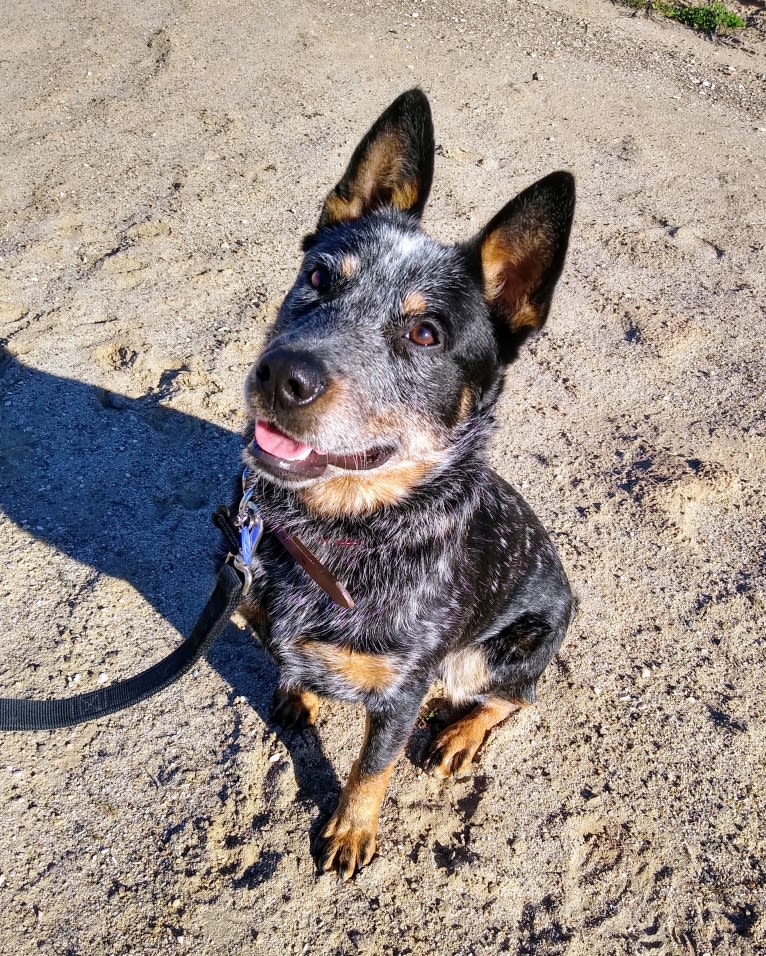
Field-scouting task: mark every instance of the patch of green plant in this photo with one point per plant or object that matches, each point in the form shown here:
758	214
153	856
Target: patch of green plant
708	18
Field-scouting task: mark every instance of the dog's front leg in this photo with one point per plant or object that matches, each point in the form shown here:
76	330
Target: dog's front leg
347	843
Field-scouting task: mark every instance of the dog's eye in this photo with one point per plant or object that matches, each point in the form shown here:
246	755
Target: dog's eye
320	279
425	335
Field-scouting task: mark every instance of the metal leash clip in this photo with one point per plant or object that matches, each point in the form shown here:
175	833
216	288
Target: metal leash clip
250	524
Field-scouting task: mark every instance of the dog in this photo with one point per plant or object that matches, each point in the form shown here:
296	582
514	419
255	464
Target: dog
393	554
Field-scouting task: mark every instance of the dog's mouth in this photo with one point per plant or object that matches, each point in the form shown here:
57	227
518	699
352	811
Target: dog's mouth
283	456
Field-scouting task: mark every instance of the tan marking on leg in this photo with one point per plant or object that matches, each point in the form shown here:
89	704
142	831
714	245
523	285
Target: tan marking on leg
455	747
254	615
294	707
414	303
465	674
366	672
350	835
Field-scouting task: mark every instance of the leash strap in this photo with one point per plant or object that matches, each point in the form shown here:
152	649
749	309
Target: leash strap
242	535
231	586
51	714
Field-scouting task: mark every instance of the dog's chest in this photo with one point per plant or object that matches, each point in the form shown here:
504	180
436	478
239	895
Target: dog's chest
351	653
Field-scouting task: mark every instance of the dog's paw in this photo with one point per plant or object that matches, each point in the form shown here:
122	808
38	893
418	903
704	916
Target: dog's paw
345	846
294	709
453	750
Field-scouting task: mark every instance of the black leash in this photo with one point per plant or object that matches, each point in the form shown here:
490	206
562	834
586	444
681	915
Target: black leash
232	584
242	535
49	714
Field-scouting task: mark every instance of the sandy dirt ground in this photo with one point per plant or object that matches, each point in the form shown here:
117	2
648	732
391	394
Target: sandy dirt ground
160	162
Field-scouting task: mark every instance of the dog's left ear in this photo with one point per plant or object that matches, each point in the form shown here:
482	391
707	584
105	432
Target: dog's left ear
392	166
521	254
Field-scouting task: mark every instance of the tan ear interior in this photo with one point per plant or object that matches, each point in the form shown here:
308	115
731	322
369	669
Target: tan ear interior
514	260
380	178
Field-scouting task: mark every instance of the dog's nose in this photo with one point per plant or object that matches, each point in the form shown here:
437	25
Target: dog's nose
289	379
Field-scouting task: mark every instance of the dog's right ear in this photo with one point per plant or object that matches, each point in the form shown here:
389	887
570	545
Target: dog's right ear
392	166
520	255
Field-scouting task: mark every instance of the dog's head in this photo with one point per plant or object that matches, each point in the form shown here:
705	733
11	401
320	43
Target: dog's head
390	344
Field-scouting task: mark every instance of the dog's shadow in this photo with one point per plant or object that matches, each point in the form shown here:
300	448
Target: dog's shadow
127	487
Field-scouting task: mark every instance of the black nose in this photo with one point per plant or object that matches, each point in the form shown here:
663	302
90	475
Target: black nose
289	379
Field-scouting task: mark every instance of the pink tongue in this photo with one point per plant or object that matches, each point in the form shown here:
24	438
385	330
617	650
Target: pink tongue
272	441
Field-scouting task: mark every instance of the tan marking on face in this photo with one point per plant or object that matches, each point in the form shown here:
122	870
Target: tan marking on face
331	400
309	418
466	404
366	672
363	492
348	265
360	493
414	303
513	267
465	674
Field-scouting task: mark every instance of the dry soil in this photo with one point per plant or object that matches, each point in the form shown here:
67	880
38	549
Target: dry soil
159	163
